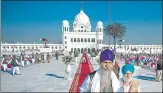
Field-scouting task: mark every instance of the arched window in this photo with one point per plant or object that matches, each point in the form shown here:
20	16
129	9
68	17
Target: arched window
65	37
74	39
85	40
78	30
92	40
97	41
81	39
55	47
78	40
100	41
71	39
65	28
81	50
88	39
88	50
81	30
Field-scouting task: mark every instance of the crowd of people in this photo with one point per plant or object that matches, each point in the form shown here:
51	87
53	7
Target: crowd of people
13	62
105	79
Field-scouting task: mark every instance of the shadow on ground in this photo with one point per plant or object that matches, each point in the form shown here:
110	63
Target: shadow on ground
54	75
145	78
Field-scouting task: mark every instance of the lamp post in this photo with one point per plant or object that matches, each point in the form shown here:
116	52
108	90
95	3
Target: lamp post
120	42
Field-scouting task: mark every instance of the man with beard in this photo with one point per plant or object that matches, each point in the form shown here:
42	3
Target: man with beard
103	79
128	83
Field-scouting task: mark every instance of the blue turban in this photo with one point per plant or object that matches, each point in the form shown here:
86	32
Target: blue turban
106	55
127	67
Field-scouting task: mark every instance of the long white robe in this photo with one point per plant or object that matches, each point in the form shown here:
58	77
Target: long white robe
95	83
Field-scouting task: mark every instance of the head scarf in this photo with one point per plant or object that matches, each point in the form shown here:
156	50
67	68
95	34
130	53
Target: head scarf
106	55
128	67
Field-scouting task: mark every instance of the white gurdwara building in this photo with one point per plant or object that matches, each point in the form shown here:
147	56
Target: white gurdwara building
82	38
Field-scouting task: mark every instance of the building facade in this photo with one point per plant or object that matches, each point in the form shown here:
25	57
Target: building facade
82	38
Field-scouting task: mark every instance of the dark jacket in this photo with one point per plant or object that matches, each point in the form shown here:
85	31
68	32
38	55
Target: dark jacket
159	65
14	63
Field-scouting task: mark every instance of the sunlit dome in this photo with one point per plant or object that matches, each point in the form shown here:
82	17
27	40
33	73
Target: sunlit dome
99	23
65	22
82	18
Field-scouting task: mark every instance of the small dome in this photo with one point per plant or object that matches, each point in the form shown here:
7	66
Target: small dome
99	23
82	18
65	22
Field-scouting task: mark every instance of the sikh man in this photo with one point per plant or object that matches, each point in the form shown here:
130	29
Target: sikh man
128	83
103	79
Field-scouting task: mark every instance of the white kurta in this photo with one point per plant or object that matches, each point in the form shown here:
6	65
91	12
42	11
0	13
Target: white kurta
95	83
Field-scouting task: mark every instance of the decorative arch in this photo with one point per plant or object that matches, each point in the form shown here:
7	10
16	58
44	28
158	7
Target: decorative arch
85	40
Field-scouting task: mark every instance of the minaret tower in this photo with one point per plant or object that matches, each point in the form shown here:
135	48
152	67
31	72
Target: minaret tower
65	34
99	35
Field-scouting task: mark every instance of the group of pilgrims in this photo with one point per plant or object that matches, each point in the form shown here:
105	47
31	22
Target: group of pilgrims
143	59
105	79
11	63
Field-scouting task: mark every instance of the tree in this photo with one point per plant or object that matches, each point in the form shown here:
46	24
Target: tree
116	30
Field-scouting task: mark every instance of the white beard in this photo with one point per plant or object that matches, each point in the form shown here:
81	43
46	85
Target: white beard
105	80
127	80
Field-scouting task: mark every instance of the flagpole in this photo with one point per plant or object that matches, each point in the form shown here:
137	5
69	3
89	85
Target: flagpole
109	20
81	5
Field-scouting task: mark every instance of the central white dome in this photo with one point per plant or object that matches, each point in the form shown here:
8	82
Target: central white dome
82	18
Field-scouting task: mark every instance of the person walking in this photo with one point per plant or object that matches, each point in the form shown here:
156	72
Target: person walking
159	69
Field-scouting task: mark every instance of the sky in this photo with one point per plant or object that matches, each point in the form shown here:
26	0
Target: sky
28	21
